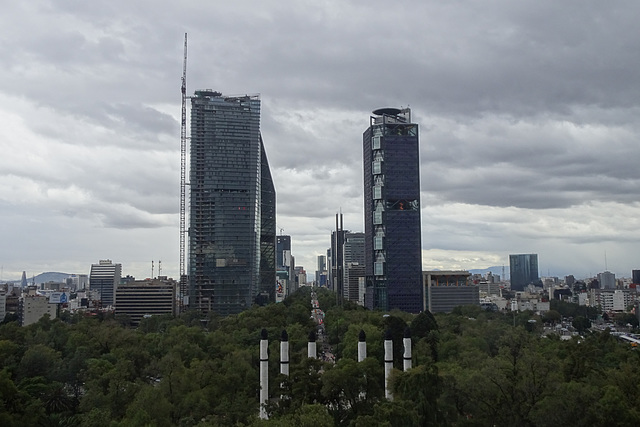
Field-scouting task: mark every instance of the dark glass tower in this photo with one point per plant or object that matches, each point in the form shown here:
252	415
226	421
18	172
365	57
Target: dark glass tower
523	269
392	212
232	206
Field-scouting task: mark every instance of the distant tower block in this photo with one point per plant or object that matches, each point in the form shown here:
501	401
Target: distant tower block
362	346
284	353
388	363
264	374
311	347
407	349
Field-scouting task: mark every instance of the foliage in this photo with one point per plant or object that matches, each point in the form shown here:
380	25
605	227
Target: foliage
470	367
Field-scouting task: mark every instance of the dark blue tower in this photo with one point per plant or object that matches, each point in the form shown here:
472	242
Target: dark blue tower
392	212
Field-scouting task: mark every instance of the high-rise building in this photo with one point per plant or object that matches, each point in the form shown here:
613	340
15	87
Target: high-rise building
335	268
523	270
232	256
321	270
283	243
392	212
635	277
354	265
104	279
607	280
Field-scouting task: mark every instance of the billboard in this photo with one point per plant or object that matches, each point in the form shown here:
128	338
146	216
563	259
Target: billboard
58	298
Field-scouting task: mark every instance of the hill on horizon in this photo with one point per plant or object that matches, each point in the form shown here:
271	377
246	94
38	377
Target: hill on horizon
50	276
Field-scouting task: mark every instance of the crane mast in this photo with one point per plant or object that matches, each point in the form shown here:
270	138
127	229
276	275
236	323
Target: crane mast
183	176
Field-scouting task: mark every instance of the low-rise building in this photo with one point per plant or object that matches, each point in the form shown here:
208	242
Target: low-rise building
444	290
142	298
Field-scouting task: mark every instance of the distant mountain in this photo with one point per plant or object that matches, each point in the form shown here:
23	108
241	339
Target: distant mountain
496	270
44	278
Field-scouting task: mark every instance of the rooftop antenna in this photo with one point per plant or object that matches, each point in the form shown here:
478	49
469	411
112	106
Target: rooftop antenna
152	269
183	173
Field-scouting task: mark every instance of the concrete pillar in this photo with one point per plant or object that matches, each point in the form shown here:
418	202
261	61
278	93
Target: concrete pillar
284	353
264	374
388	363
407	349
311	347
362	346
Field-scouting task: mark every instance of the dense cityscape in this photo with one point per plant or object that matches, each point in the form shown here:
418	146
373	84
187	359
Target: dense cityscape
319	214
241	270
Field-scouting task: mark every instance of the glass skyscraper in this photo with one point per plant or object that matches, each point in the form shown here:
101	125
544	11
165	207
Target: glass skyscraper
523	269
232	224
392	212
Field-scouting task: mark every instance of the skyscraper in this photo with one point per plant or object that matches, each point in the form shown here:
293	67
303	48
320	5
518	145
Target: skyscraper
393	258
523	270
353	265
104	279
232	206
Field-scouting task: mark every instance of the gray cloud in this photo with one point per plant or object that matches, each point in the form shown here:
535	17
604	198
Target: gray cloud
528	116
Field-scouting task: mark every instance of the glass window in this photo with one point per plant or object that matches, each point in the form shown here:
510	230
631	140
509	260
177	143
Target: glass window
377	217
377	192
378	268
375	143
377	243
377	167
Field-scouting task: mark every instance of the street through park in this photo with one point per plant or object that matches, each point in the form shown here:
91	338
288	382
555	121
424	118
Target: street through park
326	352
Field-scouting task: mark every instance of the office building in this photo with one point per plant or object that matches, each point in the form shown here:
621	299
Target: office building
142	298
336	264
446	290
613	300
607	280
103	281
635	277
523	270
34	307
232	239
354	265
393	259
321	271
283	244
3	304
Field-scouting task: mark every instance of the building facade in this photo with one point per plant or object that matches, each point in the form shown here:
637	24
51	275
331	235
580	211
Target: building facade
635	277
445	290
613	300
353	259
524	270
34	307
103	281
139	299
393	258
232	241
607	280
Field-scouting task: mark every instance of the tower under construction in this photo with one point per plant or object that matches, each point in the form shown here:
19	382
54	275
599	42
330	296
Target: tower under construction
232	221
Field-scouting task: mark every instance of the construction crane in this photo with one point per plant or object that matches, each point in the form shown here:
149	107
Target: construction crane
183	175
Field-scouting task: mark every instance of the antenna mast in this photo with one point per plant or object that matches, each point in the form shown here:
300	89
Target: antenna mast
183	174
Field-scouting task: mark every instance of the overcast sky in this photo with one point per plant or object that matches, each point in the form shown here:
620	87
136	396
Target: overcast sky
528	112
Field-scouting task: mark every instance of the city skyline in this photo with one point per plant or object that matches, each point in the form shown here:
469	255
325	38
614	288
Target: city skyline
528	118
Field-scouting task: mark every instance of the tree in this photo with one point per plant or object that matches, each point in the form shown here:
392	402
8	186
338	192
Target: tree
581	324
